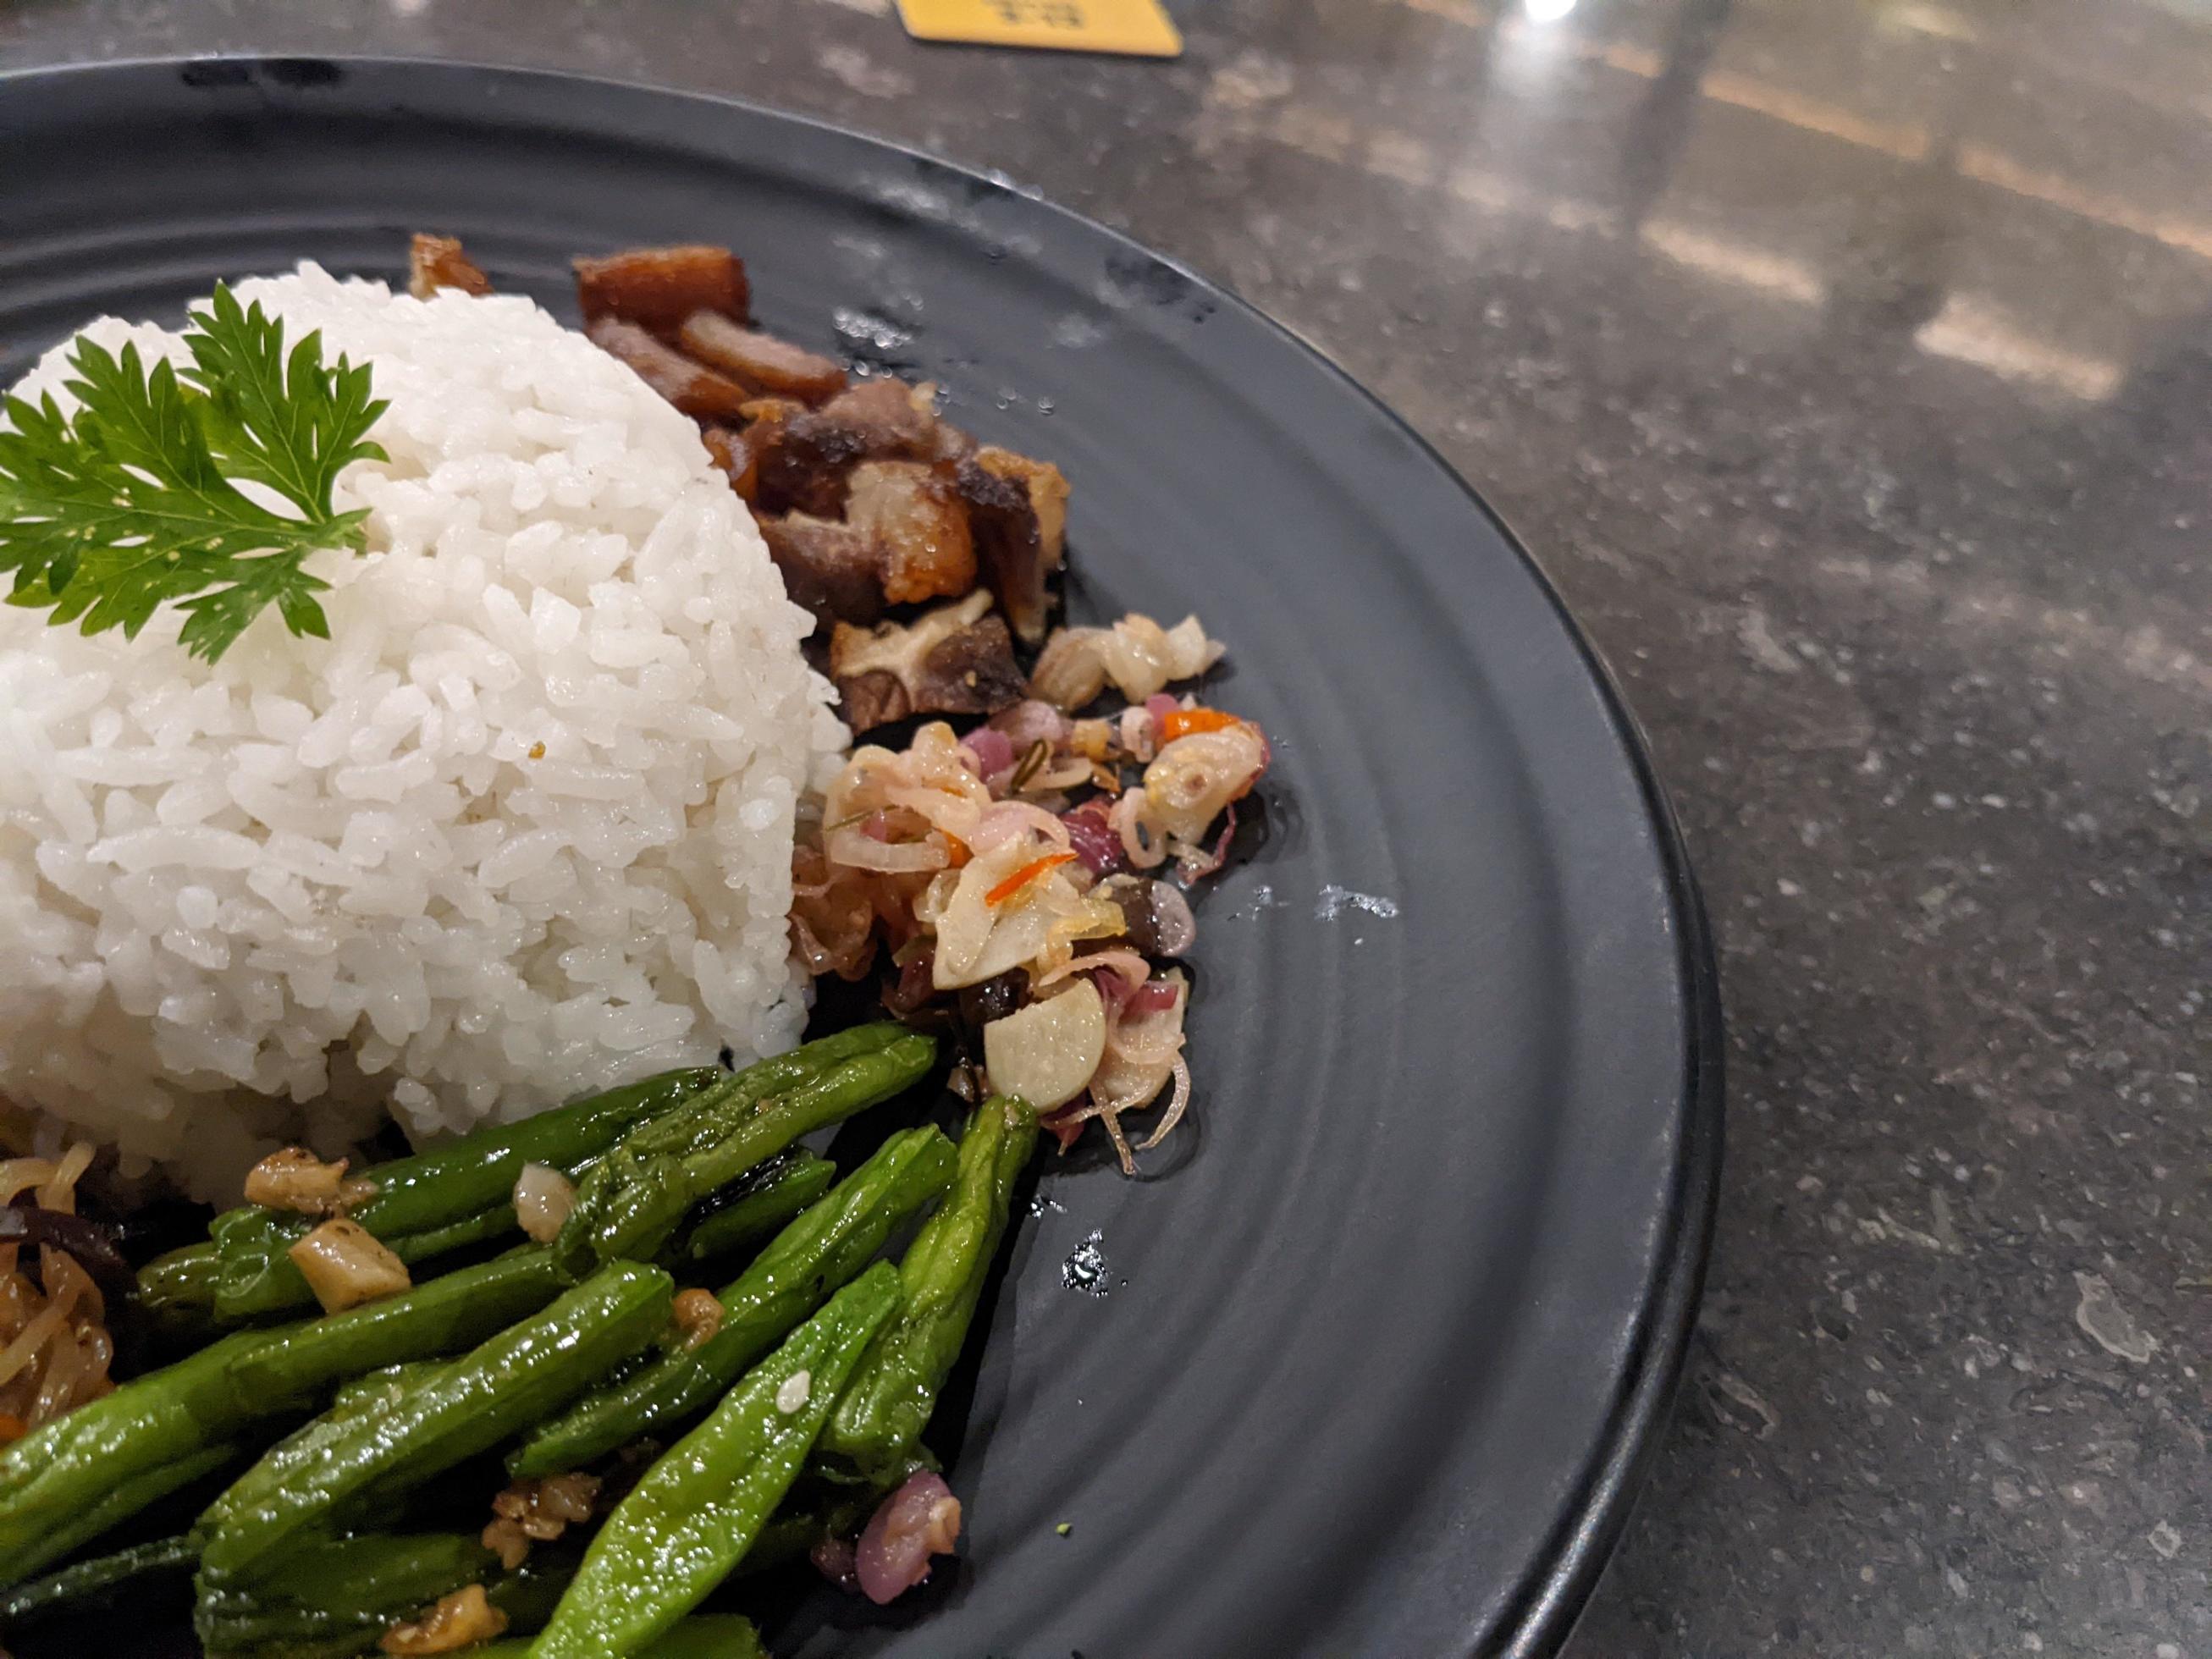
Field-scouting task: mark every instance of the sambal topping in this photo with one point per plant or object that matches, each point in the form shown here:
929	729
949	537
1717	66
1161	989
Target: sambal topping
1016	858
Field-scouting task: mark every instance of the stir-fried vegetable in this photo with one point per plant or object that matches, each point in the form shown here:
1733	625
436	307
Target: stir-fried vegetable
919	1520
694	1513
1048	1052
106	1460
461	1192
1001	864
97	1581
55	1348
1136	654
510	1382
703	1636
775	1193
883	1412
632	1203
337	1594
817	1253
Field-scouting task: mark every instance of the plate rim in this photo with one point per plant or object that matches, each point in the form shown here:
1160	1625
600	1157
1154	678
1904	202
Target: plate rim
1543	1608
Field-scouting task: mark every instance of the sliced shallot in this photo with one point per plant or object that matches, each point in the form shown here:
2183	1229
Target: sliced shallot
850	846
1177	1103
919	1520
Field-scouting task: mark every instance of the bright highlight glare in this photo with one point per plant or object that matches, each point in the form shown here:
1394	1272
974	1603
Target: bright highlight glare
1546	11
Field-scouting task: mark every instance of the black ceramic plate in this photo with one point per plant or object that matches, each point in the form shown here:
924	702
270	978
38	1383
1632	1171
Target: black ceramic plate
1377	1347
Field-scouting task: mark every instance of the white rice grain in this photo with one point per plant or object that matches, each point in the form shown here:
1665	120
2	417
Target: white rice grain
520	829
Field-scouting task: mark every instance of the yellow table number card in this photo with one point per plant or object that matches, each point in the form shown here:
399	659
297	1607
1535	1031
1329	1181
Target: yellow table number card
1140	28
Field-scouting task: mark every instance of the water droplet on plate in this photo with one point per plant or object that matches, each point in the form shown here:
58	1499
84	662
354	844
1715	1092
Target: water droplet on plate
1084	1269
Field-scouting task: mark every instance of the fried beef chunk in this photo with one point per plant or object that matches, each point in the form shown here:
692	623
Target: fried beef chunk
696	390
761	361
831	568
955	660
810	465
657	287
913	511
866	498
436	262
1017	511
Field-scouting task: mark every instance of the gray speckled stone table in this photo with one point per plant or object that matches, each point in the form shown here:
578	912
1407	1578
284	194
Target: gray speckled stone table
1847	366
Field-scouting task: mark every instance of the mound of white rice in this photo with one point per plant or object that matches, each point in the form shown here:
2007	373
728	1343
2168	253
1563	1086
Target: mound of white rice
520	830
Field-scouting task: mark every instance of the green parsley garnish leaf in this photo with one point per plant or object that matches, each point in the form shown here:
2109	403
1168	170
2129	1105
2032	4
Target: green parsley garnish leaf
132	500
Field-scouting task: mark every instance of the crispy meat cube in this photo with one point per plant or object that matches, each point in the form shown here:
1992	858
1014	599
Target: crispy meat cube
657	288
1017	512
807	468
833	570
761	361
736	450
696	390
955	660
914	510
436	262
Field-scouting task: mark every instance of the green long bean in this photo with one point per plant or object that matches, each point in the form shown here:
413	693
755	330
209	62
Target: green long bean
94	1582
878	1421
705	1636
817	1253
787	1184
631	1205
338	1595
692	1515
107	1459
500	1386
457	1193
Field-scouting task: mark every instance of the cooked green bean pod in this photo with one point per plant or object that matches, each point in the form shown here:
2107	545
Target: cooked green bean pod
94	1582
338	1595
817	1253
631	1205
878	1422
705	1636
693	1515
504	1385
456	1195
111	1457
786	1185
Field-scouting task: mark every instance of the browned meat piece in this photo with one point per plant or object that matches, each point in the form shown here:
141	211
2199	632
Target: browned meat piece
732	450
436	262
774	409
659	287
833	570
737	450
954	660
761	361
692	387
913	510
891	418
805	471
1018	510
